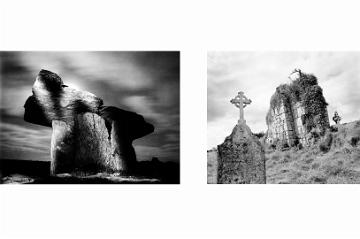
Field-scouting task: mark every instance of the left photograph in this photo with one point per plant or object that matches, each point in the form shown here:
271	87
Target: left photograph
90	117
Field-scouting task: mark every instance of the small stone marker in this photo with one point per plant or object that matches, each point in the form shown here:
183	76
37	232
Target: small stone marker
336	118
241	158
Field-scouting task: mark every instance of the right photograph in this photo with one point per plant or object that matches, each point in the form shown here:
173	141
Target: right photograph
283	117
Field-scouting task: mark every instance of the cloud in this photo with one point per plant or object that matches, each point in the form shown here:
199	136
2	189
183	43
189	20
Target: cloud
259	73
29	143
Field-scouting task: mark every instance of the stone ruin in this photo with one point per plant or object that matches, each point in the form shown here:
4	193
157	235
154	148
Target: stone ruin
241	158
296	110
87	136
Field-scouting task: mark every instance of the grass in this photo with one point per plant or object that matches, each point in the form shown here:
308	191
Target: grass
334	159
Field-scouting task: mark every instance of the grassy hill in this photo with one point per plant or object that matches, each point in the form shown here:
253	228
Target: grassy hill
333	159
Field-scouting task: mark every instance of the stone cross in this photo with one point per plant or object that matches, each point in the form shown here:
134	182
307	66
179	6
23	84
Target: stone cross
241	101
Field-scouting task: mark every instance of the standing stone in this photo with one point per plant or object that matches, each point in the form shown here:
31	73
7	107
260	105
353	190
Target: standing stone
212	166
86	146
62	147
241	158
95	149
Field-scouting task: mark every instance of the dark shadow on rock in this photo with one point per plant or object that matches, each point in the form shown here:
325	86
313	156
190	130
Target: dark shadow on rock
132	124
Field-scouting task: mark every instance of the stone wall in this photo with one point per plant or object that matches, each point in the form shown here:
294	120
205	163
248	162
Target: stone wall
298	112
281	127
295	110
287	125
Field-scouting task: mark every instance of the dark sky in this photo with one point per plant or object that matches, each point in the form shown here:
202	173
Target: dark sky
144	82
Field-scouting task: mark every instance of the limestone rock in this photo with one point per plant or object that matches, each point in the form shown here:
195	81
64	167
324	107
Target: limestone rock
95	149
62	147
241	158
86	146
52	100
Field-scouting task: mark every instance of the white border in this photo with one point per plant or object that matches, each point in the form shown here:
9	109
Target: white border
192	209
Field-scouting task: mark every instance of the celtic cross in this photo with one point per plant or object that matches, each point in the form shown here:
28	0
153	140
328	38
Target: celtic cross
241	101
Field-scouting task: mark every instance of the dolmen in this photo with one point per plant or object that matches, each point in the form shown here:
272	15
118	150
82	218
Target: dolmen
87	137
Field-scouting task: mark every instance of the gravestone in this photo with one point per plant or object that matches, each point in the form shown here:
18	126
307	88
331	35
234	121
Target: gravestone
241	158
87	137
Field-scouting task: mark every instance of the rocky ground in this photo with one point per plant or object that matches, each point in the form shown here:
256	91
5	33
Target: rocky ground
37	172
99	178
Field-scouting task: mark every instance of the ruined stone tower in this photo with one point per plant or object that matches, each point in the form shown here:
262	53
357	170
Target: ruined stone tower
296	109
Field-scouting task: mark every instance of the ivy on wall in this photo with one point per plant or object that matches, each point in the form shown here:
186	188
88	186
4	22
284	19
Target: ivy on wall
304	89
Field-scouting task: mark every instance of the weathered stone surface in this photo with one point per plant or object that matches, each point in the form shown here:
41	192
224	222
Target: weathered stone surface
95	149
296	109
241	158
86	146
62	149
212	166
52	100
286	124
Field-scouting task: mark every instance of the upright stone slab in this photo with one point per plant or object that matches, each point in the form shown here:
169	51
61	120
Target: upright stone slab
241	158
212	165
62	149
87	146
95	148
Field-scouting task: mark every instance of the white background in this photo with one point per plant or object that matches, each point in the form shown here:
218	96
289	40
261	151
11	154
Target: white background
193	208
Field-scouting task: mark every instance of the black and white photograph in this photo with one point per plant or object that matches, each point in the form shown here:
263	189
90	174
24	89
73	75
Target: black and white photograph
283	117
90	117
108	107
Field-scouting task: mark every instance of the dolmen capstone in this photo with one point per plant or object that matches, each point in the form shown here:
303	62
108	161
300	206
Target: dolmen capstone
241	158
87	136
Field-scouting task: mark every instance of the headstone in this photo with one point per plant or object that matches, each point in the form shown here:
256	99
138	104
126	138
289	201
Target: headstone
241	158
